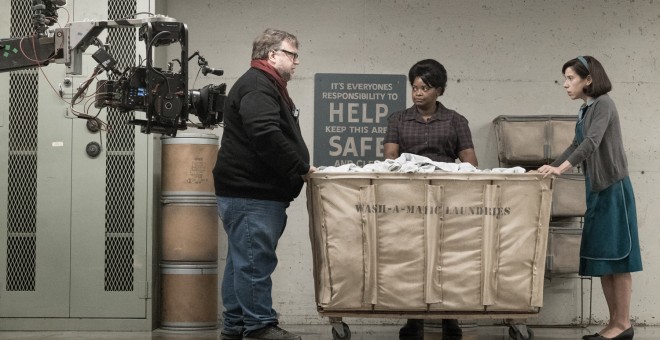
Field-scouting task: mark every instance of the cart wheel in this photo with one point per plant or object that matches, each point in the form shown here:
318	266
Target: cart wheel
516	333
346	331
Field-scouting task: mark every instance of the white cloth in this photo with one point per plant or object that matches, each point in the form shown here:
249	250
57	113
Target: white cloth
411	163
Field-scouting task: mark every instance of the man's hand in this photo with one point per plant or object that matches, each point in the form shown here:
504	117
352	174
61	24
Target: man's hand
312	169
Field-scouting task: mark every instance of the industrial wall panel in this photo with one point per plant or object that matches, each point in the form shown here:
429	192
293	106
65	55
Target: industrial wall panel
78	226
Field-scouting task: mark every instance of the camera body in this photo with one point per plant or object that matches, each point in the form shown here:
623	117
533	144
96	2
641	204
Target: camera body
164	97
162	94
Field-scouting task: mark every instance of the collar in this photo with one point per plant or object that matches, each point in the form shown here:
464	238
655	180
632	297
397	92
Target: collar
439	114
269	69
590	101
276	78
587	104
584	108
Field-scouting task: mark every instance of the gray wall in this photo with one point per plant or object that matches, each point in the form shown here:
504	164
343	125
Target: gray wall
503	57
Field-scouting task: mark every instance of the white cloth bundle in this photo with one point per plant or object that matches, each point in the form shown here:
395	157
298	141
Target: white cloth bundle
411	163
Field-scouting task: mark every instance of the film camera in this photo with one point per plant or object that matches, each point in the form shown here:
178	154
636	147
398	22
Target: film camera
162	93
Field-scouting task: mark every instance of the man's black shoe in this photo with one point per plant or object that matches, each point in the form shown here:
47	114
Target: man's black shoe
271	333
225	336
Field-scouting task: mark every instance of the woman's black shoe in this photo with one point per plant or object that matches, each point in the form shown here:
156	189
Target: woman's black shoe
413	329
590	336
625	335
450	328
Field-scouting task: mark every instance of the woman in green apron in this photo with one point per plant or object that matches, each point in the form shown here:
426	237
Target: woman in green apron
610	245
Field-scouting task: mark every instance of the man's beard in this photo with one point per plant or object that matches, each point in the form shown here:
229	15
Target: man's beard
286	75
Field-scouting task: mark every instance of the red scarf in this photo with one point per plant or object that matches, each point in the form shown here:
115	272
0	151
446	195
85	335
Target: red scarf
275	77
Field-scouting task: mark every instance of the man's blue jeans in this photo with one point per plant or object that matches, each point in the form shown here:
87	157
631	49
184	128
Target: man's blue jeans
253	228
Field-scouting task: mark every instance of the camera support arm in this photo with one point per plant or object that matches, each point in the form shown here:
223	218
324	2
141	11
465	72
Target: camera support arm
78	36
65	46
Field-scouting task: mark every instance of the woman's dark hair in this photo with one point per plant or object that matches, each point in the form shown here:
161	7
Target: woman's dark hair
432	73
600	82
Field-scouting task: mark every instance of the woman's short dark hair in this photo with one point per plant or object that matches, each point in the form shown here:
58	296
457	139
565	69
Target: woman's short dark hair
600	82
432	73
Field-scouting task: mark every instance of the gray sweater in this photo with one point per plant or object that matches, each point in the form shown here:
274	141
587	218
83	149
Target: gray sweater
602	147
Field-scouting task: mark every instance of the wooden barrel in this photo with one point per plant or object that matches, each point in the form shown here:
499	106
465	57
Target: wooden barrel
189	229
187	163
189	296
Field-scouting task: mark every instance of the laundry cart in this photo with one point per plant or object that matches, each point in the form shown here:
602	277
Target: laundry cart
429	245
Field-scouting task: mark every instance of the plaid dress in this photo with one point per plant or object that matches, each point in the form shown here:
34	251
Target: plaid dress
440	138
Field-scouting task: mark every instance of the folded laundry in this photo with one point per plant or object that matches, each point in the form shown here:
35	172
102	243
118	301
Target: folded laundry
411	163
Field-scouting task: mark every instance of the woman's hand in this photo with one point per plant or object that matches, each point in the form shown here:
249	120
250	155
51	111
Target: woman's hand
549	170
554	170
469	156
391	150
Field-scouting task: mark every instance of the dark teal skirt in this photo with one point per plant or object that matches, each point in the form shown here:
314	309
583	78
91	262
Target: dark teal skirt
610	243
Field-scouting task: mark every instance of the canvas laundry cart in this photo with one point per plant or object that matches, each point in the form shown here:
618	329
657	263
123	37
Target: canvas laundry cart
429	245
535	140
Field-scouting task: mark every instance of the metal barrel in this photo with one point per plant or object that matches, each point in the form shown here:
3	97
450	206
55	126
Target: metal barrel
189	229
189	295
187	163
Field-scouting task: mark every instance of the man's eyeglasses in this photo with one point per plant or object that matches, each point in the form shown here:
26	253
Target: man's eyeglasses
290	54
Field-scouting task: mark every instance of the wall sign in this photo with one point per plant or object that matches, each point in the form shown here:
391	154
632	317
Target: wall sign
350	116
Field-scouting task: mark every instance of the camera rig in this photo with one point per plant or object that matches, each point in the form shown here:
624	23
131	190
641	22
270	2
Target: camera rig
163	94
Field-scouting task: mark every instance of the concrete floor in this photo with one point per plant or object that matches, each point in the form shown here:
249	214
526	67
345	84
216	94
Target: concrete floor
323	332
